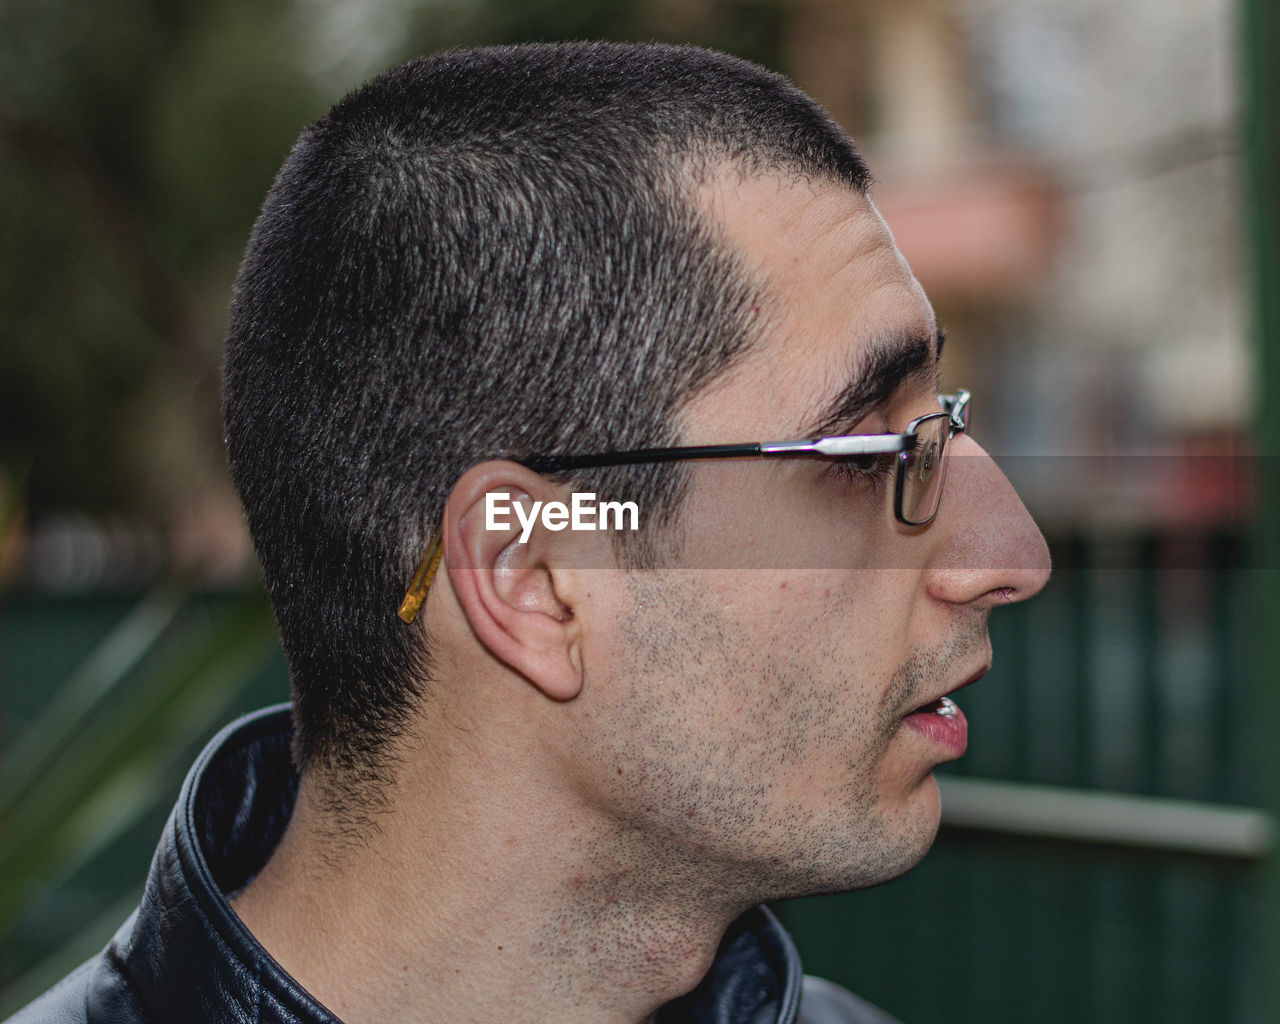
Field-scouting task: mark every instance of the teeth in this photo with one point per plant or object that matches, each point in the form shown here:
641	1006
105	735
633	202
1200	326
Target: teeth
946	708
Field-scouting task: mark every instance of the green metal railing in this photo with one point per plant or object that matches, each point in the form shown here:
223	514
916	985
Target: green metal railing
106	699
1127	673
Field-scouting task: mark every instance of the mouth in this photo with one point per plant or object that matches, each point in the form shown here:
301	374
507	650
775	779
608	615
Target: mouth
943	706
941	722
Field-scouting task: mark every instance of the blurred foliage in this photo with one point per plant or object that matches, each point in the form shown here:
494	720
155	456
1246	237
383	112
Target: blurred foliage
105	752
137	138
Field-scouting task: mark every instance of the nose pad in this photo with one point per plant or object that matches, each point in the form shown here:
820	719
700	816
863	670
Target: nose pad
988	548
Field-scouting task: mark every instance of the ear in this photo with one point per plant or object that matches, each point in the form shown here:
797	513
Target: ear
506	587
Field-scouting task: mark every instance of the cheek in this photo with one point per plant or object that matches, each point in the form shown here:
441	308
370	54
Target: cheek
773	668
752	728
784	516
842	627
834	692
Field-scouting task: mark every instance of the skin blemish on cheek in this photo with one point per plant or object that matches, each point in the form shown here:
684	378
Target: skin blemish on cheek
782	586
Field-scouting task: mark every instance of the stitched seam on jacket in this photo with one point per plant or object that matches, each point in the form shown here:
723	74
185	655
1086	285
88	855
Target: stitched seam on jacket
257	990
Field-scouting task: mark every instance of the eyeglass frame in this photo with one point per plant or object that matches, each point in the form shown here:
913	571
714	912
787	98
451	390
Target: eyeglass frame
955	408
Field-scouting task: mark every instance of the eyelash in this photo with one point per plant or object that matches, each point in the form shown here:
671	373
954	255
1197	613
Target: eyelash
866	469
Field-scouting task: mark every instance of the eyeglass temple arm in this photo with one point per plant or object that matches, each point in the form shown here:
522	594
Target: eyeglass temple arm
854	444
560	463
956	406
426	572
863	444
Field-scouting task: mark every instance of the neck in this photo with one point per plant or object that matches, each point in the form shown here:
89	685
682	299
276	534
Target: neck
477	883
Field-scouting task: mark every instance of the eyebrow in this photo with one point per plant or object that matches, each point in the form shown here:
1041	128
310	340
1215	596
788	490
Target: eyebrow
881	369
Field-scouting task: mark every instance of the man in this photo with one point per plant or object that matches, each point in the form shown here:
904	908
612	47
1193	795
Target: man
557	785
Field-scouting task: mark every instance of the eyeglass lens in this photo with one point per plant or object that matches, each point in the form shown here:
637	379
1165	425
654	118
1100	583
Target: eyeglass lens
924	469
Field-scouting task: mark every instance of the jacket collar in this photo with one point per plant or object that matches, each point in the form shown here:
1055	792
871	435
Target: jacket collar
186	955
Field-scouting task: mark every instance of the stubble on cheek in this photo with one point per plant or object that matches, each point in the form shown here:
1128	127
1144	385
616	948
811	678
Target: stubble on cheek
746	749
774	754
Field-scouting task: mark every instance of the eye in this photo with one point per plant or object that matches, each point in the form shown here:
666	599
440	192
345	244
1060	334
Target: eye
865	469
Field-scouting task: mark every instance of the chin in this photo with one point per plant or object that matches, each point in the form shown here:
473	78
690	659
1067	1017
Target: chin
909	833
927	803
918	829
883	845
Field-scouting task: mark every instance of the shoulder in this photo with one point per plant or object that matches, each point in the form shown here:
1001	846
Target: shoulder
827	1003
62	1004
97	990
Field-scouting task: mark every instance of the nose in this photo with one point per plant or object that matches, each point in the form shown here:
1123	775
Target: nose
989	550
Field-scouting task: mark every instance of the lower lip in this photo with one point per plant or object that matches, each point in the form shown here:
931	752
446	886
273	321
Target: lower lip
949	732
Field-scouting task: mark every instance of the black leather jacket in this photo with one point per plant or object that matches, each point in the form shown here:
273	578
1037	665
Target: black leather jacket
185	957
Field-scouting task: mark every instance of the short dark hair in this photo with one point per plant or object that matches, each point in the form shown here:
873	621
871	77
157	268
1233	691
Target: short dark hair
484	252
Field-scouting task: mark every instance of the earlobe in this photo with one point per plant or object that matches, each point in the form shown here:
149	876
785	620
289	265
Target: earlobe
506	585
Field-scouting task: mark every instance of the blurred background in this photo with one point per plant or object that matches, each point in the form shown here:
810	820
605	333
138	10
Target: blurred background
1086	190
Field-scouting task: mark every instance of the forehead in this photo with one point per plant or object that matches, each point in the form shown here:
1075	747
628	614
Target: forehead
833	288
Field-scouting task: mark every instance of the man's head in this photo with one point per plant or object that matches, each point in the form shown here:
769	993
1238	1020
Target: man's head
480	253
597	248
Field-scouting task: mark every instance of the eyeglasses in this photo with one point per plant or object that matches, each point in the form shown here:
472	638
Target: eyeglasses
920	470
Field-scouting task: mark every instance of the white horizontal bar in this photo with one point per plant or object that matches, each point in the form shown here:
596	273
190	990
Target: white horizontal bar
1083	815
